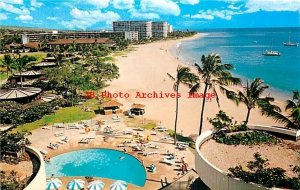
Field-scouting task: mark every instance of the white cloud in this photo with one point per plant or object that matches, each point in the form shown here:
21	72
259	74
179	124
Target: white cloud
164	7
3	16
35	3
212	14
203	15
233	7
142	15
123	4
52	18
12	9
99	3
83	19
190	2
24	17
272	5
19	2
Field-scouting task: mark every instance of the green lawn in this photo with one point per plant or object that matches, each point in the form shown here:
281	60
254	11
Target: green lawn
67	115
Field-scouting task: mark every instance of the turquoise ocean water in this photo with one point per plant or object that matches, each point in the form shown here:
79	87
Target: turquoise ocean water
243	48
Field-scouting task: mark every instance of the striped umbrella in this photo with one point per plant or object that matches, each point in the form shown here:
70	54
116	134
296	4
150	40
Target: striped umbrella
75	184
53	184
96	185
119	185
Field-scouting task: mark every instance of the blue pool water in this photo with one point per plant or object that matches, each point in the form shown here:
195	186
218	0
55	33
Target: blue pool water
104	163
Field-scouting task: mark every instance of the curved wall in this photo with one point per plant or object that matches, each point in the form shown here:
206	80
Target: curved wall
39	180
212	176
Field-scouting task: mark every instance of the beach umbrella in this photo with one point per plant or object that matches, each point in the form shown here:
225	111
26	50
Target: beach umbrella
96	185
119	185
53	184
75	184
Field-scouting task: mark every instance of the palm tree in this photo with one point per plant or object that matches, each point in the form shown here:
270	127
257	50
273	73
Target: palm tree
292	120
7	62
251	96
184	76
213	73
20	64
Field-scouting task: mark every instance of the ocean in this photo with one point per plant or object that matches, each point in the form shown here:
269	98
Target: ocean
244	47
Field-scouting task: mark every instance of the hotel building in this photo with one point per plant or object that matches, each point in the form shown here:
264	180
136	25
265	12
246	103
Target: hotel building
145	29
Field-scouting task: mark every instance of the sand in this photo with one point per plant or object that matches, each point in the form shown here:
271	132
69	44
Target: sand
145	70
284	155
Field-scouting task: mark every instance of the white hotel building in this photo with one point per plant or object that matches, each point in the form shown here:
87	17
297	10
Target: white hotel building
144	29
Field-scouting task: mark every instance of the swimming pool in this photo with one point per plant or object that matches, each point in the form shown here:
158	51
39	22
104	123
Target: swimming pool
105	163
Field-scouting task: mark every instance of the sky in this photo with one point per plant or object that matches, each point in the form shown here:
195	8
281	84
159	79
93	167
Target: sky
182	14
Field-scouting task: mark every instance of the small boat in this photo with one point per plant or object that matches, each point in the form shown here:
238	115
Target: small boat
289	43
271	53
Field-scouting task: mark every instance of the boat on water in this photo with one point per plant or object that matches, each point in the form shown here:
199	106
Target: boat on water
289	43
271	53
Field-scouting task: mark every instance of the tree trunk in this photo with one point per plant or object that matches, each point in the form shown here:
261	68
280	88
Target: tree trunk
248	114
202	110
21	79
176	116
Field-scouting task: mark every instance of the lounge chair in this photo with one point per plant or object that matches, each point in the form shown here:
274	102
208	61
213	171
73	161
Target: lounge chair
167	161
127	132
84	141
58	125
59	134
150	153
73	126
161	129
65	139
166	138
44	152
53	146
46	128
136	148
153	146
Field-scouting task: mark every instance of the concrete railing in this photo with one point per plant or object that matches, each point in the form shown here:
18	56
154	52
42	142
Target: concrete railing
280	130
39	180
212	176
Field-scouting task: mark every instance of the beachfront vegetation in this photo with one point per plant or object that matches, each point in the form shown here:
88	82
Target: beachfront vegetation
227	131
181	34
292	120
63	115
18	114
251	96
11	181
213	73
258	173
183	76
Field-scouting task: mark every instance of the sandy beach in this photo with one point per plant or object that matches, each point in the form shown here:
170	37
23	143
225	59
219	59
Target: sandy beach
145	70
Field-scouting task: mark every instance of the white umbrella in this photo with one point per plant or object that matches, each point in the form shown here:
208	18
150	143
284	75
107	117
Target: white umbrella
96	185
119	185
75	184
53	184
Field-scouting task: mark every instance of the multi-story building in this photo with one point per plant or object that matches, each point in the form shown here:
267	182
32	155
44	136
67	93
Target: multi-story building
132	35
55	35
159	29
144	28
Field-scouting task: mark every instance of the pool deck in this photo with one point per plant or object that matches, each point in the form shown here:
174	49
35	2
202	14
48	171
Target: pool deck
41	138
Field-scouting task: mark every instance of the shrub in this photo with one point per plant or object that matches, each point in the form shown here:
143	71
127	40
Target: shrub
10	181
269	177
16	114
224	125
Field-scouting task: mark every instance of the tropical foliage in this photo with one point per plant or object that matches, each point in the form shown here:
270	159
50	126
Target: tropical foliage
251	96
228	132
183	76
213	73
269	177
16	114
292	119
11	181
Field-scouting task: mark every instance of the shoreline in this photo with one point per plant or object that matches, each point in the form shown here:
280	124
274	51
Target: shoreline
146	68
